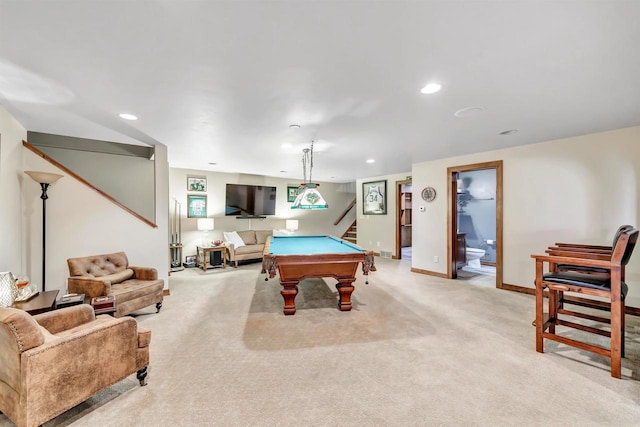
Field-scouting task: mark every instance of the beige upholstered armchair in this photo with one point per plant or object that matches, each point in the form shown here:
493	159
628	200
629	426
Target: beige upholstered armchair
111	274
53	361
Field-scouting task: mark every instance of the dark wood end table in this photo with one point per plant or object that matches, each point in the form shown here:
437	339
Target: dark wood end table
69	300
43	302
104	305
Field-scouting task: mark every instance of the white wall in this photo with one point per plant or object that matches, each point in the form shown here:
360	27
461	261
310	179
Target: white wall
310	221
81	222
97	168
378	232
576	189
11	251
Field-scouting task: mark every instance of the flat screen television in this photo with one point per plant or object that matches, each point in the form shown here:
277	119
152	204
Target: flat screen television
250	200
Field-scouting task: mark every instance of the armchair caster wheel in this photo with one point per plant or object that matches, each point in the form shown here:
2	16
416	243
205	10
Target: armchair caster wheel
142	376
158	307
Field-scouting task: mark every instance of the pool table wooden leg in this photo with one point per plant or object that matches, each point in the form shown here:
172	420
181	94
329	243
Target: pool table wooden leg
289	292
345	289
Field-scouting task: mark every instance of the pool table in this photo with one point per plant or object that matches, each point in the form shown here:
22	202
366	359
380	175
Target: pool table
300	257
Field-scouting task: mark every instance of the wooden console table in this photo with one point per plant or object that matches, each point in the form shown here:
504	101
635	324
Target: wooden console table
203	254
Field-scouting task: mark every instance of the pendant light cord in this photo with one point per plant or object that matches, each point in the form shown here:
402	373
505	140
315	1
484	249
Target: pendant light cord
307	159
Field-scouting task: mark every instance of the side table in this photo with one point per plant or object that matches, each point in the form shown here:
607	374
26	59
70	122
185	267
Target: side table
104	304
69	300
203	253
44	301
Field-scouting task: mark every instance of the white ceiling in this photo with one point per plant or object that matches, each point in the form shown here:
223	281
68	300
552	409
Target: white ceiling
221	81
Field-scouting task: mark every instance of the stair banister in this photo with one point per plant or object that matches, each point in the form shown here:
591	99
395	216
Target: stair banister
346	211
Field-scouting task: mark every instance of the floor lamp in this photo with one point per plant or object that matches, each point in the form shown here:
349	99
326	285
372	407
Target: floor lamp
44	179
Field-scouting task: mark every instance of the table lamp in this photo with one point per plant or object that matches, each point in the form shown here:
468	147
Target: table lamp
205	225
291	225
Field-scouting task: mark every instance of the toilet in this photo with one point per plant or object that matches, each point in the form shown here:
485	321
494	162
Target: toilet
473	257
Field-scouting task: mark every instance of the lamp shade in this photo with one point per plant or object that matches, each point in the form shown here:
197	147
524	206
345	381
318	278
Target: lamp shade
309	198
291	224
43	177
205	224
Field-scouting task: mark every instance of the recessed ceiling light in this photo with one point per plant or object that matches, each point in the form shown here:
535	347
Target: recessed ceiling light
286	145
468	111
371	160
127	116
431	88
294	126
283	171
212	163
509	132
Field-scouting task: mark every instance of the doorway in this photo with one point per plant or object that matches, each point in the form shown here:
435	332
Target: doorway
404	193
474	245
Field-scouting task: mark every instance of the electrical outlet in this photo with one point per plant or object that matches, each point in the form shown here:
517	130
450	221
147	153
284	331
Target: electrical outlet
436	258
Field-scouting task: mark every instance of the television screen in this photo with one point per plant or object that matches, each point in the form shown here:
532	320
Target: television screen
250	200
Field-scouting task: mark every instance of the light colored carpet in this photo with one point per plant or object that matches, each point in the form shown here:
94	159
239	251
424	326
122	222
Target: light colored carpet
477	277
414	351
319	323
484	269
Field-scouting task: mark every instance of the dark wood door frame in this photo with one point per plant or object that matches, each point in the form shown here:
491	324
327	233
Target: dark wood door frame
452	217
399	184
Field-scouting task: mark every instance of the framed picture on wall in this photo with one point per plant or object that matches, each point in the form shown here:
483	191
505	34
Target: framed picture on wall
374	198
292	193
196	183
196	206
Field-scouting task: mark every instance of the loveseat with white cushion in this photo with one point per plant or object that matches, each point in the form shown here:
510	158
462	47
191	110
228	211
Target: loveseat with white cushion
246	244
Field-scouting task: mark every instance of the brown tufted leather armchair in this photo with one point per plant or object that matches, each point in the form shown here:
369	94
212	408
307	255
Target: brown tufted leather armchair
53	361
111	274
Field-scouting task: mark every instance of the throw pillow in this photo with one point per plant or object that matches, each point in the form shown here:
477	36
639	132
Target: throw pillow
248	237
234	238
118	277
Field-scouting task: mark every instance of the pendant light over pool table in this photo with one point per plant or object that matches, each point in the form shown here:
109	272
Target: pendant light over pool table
308	195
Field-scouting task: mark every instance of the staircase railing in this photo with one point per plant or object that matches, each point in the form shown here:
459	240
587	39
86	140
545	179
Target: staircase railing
346	211
87	183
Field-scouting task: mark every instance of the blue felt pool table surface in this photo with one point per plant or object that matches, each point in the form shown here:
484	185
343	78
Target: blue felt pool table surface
310	245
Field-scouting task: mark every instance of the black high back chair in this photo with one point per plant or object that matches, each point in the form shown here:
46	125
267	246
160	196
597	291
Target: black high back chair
586	251
589	274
